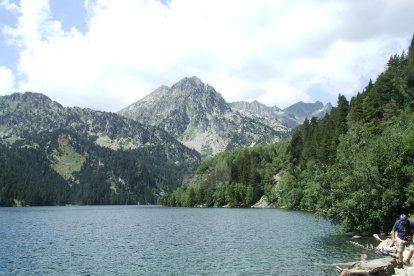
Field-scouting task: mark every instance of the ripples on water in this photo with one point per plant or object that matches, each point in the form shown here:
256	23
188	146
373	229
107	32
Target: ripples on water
134	240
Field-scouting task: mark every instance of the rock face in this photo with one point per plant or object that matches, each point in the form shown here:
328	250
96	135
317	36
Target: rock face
291	117
302	110
272	116
198	116
262	203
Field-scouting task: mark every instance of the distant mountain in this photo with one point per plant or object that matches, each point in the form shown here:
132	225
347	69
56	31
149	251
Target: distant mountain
88	151
290	117
197	115
302	110
272	116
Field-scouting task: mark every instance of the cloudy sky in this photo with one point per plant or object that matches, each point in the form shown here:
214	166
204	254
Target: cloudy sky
106	54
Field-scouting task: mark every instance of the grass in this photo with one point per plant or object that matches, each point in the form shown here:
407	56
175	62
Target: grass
66	161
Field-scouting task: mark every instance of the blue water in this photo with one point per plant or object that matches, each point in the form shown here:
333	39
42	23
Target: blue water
134	240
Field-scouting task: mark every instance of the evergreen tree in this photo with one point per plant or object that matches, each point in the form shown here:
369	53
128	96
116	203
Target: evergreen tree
410	74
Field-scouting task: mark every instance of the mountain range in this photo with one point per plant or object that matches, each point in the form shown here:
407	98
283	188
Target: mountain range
52	155
198	116
290	117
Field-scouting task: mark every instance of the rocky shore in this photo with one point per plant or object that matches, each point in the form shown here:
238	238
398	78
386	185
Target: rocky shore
384	266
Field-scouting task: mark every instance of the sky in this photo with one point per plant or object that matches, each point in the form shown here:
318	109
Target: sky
106	54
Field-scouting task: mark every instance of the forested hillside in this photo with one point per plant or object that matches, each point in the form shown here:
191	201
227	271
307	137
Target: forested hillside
51	155
236	178
355	166
62	167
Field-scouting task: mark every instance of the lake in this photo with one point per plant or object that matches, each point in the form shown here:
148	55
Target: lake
137	240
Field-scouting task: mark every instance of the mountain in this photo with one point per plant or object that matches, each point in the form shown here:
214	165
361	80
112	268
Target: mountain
272	116
197	115
302	110
95	157
290	117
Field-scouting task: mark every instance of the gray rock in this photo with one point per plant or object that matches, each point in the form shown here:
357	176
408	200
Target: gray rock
380	267
262	203
198	116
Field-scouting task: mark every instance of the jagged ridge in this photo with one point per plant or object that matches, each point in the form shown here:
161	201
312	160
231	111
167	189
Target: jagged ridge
199	117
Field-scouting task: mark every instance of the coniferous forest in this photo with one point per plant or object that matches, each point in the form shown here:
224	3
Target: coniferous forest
63	167
355	166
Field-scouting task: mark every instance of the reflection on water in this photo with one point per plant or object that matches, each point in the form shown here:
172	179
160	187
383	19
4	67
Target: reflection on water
134	240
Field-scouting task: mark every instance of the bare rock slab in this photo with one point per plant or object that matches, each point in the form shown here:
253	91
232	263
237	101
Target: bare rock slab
378	267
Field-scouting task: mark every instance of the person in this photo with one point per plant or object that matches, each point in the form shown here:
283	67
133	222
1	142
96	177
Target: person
402	235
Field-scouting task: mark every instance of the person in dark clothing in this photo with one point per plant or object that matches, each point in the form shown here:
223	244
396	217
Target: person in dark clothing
402	235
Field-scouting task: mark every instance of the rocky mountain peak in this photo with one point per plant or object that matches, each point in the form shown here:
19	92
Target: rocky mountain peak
187	100
290	117
29	111
31	100
199	95
190	82
254	107
158	94
303	110
198	116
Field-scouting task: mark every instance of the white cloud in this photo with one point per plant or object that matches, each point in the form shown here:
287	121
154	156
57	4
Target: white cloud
277	52
6	4
6	81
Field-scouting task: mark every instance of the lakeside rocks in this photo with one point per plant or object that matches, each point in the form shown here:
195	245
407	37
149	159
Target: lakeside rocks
262	203
382	266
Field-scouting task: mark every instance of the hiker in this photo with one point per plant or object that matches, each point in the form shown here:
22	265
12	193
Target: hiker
402	234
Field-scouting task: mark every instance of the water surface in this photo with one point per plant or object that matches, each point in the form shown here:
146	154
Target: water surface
135	240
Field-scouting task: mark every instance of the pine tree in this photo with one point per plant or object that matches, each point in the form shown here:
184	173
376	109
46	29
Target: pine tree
342	113
410	73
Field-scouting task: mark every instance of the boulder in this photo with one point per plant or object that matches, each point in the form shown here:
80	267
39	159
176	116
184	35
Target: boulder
379	267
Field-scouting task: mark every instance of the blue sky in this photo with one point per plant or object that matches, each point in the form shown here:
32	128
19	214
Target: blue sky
9	55
105	54
70	13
